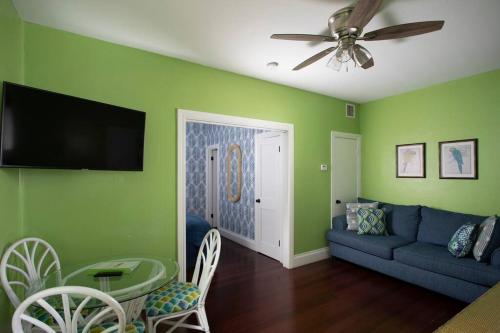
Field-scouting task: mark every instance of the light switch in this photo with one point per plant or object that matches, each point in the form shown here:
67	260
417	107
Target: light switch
323	167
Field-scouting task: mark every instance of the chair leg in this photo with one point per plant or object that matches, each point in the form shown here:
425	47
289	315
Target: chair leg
202	317
150	326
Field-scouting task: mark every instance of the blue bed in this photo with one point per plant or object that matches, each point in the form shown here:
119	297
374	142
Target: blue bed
196	229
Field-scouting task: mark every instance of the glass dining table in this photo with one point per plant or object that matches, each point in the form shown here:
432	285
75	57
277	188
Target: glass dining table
127	280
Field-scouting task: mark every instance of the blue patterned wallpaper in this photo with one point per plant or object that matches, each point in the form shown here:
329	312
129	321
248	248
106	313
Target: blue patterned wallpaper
237	217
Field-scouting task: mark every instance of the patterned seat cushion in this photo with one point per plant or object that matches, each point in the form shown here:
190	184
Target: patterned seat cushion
133	327
175	297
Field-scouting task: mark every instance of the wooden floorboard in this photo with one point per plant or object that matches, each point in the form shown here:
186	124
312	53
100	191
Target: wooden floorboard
253	293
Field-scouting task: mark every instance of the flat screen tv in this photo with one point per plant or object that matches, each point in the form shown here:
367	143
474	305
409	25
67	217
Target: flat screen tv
42	129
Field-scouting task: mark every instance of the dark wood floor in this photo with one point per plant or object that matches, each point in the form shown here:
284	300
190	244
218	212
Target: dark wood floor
253	293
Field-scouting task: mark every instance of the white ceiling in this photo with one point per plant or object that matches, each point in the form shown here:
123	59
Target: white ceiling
234	35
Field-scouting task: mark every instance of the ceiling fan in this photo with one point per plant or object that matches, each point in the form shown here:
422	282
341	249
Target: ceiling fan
346	26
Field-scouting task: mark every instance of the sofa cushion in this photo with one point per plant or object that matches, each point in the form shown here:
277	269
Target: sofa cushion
488	239
363	200
351	213
463	240
380	246
339	222
495	258
371	222
436	259
438	226
402	220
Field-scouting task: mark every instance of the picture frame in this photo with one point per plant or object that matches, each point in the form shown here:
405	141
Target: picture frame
410	160
458	159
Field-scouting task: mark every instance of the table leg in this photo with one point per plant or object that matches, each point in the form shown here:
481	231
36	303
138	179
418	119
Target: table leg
133	308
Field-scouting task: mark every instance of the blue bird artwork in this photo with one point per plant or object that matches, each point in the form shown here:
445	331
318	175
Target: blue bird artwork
457	155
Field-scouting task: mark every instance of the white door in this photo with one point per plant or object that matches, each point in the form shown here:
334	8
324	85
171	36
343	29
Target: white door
346	170
212	213
269	192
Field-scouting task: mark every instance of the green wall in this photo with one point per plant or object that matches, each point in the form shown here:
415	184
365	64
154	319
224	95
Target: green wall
462	109
11	37
93	213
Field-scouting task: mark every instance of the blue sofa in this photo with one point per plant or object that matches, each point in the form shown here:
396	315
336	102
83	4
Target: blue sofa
416	251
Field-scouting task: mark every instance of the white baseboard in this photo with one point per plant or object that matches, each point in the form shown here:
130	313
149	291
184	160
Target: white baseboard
246	242
310	257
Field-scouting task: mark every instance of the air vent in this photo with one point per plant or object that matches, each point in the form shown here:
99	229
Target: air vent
350	110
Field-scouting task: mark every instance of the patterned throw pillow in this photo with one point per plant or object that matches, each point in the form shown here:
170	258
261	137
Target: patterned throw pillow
371	221
462	241
351	216
488	239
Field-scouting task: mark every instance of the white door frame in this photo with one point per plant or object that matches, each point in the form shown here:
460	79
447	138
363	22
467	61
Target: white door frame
208	185
356	137
184	116
258	221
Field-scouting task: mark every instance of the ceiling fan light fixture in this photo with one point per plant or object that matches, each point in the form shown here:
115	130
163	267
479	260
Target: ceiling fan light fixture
361	55
343	57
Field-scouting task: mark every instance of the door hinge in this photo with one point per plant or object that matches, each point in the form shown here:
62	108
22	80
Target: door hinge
279	243
279	149
211	216
211	158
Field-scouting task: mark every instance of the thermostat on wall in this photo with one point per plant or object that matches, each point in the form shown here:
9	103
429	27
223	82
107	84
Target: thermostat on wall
323	167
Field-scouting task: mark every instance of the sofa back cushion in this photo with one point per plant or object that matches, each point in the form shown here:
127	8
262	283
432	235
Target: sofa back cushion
402	220
438	226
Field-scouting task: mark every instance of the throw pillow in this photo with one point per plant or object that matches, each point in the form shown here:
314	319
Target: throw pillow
488	239
371	221
352	218
463	240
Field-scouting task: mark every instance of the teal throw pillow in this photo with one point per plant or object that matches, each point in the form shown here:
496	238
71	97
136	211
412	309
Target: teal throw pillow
371	221
463	240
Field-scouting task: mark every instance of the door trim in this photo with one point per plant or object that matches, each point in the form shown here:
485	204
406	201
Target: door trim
358	138
207	185
184	116
258	221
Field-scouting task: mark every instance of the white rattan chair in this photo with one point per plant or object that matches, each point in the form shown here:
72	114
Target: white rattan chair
68	320
182	299
23	266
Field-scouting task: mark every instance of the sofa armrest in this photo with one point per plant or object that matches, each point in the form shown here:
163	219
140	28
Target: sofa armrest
495	258
339	222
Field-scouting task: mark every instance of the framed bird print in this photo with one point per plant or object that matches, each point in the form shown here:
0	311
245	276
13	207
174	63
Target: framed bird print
410	160
458	159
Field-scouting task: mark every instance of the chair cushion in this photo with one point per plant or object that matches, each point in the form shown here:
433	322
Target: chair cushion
463	240
402	220
133	327
41	314
437	259
380	246
437	226
175	297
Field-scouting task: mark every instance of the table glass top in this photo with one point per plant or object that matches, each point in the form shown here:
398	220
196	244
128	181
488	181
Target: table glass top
137	277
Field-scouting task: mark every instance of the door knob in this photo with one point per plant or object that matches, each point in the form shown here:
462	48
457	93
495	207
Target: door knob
338	202
257	201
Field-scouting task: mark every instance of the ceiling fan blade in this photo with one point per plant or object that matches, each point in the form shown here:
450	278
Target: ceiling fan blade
363	13
304	37
404	30
362	56
368	64
315	58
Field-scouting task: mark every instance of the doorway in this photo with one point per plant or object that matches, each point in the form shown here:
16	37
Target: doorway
286	132
346	171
